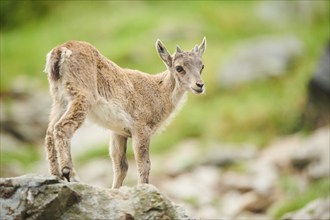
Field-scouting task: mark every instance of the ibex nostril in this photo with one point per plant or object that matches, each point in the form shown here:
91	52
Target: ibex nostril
200	85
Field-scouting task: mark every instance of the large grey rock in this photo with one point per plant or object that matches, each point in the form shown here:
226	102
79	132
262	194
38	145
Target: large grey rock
45	197
259	57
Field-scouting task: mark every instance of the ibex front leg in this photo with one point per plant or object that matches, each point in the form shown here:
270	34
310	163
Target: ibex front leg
141	152
64	130
118	146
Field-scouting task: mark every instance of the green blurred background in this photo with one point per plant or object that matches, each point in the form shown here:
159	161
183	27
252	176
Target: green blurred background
126	31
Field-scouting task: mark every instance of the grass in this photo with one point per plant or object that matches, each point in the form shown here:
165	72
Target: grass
25	158
297	198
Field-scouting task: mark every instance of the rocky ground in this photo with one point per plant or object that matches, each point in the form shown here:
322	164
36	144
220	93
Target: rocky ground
218	180
244	183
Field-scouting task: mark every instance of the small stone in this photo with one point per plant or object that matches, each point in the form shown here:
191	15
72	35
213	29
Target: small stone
236	181
234	203
314	154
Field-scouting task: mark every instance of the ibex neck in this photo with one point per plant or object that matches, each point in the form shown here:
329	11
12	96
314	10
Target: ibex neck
175	91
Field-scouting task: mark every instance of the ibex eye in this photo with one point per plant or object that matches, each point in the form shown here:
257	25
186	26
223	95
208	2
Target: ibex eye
179	68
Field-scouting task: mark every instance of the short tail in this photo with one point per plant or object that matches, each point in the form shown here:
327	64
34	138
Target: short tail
54	59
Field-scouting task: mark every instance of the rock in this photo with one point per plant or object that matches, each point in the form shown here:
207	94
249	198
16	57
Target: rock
314	154
236	182
255	202
235	203
322	72
259	58
223	155
46	197
190	154
186	155
231	203
265	169
22	113
199	188
208	212
280	151
318	209
200	185
317	109
265	178
285	12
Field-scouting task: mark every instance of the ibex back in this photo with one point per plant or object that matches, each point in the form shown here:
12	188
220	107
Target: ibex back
130	103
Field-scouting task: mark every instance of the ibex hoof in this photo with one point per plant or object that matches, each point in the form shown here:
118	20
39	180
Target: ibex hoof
66	173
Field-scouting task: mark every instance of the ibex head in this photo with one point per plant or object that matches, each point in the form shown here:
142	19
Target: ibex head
185	66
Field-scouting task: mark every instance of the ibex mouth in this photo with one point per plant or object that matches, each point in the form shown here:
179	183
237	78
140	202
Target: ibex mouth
197	91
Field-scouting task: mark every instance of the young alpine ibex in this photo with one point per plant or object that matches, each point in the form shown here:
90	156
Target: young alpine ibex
130	103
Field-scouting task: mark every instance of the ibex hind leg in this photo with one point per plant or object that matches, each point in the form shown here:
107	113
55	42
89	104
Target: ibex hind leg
64	130
51	151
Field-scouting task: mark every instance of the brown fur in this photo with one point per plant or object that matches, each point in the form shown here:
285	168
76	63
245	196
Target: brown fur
130	103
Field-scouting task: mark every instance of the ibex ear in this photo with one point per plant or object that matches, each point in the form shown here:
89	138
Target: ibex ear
195	49
163	53
202	47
